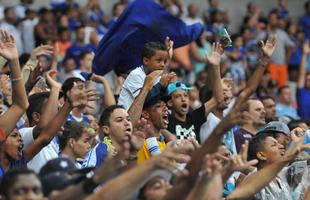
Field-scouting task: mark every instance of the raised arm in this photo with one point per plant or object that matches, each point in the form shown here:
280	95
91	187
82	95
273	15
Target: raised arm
215	78
32	63
255	182
267	50
20	103
136	107
77	97
51	108
108	99
303	65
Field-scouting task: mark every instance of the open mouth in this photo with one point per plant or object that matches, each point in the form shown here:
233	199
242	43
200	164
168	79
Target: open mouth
184	107
20	149
128	130
165	118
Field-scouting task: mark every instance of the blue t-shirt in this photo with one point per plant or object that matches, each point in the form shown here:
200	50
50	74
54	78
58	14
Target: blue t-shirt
305	25
303	100
96	156
84	119
20	163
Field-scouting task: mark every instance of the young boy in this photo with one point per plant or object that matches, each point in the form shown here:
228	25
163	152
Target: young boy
155	56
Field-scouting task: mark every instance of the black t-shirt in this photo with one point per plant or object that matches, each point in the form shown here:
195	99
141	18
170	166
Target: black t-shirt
189	128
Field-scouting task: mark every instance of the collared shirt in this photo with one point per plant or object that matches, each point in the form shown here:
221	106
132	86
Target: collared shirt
132	87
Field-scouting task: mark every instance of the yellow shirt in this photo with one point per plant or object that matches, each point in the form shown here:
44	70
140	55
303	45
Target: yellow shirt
144	153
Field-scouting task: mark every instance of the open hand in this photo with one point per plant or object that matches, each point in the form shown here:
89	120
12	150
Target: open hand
239	162
268	48
78	96
139	133
8	48
42	50
215	57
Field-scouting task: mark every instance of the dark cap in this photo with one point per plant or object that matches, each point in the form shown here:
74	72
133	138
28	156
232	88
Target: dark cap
59	173
275	127
150	102
61	164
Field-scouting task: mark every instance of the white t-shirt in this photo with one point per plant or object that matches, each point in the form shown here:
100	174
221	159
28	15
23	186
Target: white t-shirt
212	121
132	86
47	153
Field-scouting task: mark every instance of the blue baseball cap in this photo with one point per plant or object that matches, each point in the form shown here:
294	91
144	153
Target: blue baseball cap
172	87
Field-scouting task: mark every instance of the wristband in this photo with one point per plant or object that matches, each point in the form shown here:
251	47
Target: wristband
264	61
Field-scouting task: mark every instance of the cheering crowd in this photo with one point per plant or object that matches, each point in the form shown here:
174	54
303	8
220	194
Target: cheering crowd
225	116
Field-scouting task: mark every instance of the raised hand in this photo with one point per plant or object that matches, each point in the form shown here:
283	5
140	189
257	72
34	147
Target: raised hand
141	129
8	48
268	48
215	57
78	96
297	136
150	78
169	46
42	50
239	162
50	79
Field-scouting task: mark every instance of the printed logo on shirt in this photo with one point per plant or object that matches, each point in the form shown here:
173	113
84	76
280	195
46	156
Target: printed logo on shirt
184	133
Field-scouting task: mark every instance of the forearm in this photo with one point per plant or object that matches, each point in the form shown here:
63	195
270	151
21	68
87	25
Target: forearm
302	71
254	80
125	184
108	99
200	188
255	182
49	111
108	169
216	81
19	95
48	133
136	107
72	192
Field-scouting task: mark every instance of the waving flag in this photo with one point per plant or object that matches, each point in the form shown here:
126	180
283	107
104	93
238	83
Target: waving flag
142	21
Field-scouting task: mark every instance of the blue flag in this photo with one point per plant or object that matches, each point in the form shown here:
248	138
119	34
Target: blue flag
142	21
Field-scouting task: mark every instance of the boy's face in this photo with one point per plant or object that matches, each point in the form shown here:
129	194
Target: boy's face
157	62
